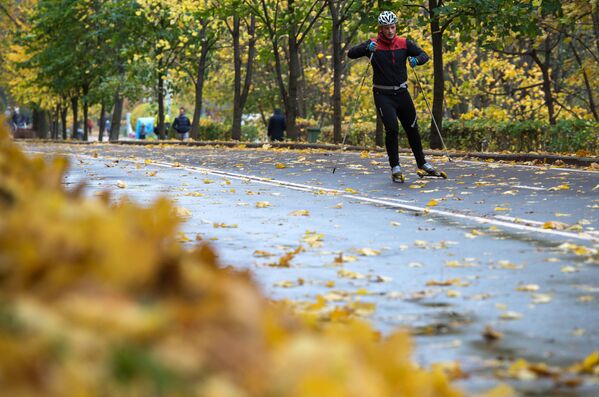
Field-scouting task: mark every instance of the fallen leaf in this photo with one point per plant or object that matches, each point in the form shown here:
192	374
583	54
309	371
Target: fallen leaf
528	287
565	186
568	269
121	184
262	254
280	165
554	225
368	252
262	204
300	213
182	212
541	298
491	335
349	274
509	315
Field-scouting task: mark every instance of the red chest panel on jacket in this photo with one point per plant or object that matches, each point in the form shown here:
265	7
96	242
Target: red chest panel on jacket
398	43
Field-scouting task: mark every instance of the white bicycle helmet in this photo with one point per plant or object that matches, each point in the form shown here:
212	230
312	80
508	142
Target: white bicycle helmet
387	18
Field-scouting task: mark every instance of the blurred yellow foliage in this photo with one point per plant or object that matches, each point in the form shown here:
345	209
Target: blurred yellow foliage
101	299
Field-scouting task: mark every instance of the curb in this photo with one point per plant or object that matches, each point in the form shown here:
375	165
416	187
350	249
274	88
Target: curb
538	159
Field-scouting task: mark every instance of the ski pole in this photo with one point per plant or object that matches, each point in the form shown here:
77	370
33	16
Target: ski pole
351	116
431	112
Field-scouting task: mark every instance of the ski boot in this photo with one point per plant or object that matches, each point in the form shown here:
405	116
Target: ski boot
397	174
428	170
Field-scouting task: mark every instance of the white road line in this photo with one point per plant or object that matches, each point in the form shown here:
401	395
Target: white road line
518	220
529	187
380	201
457	160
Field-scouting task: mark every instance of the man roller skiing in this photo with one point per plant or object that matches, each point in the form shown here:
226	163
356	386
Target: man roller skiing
389	54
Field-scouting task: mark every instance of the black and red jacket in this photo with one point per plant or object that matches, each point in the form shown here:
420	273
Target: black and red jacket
389	59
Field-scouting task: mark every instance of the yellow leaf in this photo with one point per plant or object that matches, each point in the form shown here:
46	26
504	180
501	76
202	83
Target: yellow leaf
569	269
368	252
432	203
262	254
262	204
350	190
528	287
501	209
565	186
585	298
182	238
280	165
121	184
182	212
349	274
509	315
300	213
554	225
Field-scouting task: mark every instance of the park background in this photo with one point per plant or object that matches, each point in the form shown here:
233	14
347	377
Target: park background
504	75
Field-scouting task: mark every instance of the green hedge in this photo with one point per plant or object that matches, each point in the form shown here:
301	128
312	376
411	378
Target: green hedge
523	136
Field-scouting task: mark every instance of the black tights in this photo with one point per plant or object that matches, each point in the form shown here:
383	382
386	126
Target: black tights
394	105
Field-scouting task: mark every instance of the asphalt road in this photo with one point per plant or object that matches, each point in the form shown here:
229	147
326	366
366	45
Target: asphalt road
507	246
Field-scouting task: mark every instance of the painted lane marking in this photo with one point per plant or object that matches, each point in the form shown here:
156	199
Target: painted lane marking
380	201
530	187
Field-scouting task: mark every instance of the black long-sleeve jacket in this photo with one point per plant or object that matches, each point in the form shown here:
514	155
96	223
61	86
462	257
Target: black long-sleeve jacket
182	124
389	59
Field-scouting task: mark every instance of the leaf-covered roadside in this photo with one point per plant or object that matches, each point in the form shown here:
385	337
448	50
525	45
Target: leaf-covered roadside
102	299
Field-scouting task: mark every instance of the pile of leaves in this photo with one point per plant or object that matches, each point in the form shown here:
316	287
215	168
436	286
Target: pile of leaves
98	298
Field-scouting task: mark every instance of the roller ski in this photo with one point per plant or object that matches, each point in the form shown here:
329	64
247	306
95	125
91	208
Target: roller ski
428	170
397	174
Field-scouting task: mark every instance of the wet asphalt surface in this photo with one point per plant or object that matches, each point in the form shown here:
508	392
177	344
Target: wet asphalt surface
445	277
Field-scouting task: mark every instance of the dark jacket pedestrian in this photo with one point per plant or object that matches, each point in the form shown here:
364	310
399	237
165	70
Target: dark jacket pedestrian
277	126
182	125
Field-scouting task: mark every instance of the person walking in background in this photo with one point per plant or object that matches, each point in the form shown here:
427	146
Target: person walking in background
182	125
276	126
18	120
90	126
142	131
389	54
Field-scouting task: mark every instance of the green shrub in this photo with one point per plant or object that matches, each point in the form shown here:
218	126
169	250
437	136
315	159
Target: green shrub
522	136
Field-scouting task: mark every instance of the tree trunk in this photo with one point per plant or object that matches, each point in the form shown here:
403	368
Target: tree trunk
294	74
546	84
102	122
596	26
63	117
241	93
439	77
40	123
55	123
85	112
115	124
74	106
199	85
161	106
337	70
587	83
